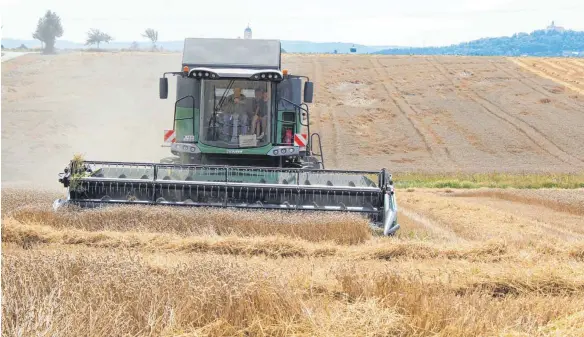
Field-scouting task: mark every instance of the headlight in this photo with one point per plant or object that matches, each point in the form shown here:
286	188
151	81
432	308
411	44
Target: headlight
275	152
283	150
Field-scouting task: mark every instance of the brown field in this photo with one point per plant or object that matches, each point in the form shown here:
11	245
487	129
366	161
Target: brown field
442	114
472	262
568	73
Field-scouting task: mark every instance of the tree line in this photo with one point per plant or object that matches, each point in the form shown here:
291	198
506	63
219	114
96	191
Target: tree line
49	28
537	43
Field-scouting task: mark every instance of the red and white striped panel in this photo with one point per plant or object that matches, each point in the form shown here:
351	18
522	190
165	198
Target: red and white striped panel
300	139
169	136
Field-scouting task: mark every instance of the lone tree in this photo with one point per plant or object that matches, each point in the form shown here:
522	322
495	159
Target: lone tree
48	29
96	36
152	35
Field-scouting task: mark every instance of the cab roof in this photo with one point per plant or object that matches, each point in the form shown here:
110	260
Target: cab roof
232	53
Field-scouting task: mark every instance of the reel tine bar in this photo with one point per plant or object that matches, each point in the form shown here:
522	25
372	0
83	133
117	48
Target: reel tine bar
222	186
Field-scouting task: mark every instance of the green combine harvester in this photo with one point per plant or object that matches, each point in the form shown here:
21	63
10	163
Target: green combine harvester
241	137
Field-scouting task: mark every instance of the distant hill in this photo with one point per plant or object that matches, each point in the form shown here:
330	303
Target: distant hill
537	43
288	46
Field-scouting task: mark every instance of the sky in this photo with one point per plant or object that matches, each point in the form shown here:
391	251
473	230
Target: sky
383	22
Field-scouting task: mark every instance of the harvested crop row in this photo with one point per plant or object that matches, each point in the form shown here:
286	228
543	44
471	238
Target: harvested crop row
31	235
29	207
316	227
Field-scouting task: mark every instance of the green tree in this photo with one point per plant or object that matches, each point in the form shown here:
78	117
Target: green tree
152	35
48	29
96	36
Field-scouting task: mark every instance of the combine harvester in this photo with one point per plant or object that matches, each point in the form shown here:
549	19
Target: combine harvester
238	133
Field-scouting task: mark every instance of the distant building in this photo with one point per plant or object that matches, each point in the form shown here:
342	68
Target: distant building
247	33
555	28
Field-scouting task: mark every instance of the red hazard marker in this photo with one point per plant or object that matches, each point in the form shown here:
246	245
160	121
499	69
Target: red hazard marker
300	139
169	136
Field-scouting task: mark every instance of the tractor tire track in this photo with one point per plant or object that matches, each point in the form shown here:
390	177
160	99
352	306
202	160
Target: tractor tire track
438	230
324	110
532	133
533	85
545	73
439	154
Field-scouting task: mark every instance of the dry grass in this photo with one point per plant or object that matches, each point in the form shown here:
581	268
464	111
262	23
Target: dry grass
29	236
571	207
475	219
468	305
101	293
173	272
14	199
338	227
116	295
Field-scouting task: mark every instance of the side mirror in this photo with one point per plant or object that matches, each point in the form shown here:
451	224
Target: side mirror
163	87
308	91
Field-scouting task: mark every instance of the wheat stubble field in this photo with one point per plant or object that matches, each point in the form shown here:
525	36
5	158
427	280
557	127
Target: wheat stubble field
467	262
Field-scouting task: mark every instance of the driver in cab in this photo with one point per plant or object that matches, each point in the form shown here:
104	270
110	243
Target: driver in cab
260	115
235	111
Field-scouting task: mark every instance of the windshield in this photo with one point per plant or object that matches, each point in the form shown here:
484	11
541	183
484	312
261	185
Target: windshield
236	113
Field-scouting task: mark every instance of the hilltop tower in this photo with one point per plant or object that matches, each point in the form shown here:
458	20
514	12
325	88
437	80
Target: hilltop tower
553	27
247	32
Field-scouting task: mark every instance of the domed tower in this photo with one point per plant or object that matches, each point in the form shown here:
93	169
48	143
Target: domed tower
247	33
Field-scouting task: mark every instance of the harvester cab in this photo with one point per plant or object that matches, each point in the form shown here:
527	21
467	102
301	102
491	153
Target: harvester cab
236	106
241	135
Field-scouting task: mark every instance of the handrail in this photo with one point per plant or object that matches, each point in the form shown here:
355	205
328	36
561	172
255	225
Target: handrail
320	154
309	145
253	168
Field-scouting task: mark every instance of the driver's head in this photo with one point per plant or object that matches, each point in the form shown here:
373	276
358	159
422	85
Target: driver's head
258	93
236	94
265	95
